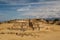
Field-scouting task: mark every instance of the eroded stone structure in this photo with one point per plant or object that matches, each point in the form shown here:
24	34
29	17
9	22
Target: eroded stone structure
31	24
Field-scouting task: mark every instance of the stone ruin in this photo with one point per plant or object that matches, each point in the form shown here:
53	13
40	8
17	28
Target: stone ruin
32	24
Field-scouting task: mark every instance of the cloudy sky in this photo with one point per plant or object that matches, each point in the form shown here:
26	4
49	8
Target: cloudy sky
17	9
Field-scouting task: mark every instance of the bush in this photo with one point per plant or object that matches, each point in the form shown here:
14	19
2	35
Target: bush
0	23
56	19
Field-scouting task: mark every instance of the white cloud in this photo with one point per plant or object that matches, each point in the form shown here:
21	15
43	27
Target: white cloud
52	9
24	8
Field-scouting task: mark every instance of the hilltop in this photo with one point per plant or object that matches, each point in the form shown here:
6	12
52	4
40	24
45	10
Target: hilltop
30	29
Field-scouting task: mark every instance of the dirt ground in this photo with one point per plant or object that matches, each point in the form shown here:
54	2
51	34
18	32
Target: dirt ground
53	34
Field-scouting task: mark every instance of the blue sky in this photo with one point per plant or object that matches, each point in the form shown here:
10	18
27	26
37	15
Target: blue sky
17	9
